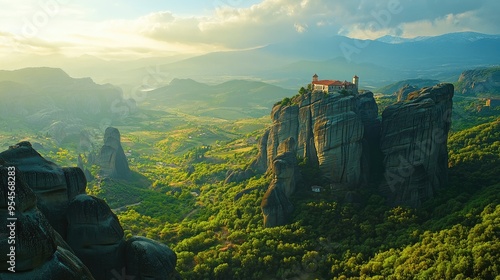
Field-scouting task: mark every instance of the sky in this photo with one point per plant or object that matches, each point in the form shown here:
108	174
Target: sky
149	28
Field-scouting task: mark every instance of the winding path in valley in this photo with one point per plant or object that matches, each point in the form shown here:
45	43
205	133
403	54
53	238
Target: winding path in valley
122	208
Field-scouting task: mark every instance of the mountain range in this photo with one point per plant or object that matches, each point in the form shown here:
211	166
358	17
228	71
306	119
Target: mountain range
291	64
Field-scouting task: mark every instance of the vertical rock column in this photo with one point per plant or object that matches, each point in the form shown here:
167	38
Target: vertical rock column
414	145
112	158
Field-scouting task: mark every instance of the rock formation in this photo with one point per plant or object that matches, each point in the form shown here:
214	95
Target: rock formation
414	145
92	231
96	236
336	132
276	205
54	186
112	158
329	131
405	154
40	253
371	158
148	259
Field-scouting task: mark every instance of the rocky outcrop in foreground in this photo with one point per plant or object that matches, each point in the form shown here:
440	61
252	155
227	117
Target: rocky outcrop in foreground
53	186
112	158
414	144
39	252
97	248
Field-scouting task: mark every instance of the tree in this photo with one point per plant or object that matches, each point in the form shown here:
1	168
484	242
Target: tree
286	101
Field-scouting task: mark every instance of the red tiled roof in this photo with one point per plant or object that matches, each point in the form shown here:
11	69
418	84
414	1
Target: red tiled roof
331	83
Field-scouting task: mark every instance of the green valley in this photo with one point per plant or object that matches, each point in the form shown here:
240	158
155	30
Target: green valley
178	195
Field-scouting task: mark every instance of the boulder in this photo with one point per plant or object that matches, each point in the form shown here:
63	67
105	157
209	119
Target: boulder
148	259
96	236
90	233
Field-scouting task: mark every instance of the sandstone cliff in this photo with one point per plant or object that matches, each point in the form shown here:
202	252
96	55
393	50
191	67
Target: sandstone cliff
86	223
112	158
413	142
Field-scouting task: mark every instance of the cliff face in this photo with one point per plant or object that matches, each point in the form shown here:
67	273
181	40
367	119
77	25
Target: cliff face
329	130
112	158
97	248
414	144
335	132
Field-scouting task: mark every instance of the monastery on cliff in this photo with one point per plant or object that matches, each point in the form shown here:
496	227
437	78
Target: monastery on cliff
334	86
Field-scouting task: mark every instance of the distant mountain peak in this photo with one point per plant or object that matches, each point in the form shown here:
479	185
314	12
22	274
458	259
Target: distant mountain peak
390	39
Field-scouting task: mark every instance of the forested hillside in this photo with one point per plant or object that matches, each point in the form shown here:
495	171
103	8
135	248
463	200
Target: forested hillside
453	235
178	194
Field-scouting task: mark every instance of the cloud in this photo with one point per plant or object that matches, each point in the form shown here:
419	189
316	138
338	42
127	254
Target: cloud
300	28
73	30
424	17
280	20
264	23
